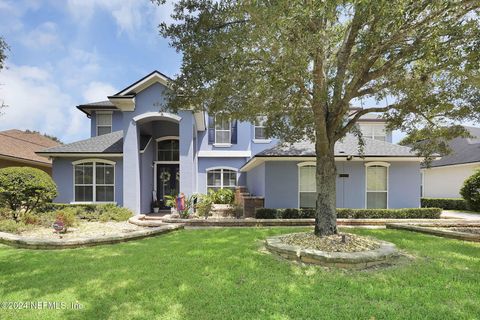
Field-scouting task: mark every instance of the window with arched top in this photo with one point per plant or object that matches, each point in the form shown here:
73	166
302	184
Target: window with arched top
377	185
94	181
221	178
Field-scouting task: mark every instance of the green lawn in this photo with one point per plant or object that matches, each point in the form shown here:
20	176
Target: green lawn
223	274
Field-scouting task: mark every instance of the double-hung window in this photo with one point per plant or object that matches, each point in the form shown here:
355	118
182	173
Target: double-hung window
259	128
223	131
377	186
104	123
307	186
94	181
374	131
221	178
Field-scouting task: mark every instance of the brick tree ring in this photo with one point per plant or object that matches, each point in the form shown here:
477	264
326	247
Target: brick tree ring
382	254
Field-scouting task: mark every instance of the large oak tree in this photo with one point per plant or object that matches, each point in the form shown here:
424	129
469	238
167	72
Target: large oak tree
303	64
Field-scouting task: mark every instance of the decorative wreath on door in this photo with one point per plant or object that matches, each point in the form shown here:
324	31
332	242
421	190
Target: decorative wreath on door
165	177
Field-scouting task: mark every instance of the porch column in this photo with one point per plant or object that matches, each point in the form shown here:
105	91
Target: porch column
131	167
186	153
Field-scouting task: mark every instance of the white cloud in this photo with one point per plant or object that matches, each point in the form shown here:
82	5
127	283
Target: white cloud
98	91
37	103
43	37
130	15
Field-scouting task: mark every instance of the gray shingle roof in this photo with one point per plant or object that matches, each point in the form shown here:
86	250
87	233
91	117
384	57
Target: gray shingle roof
347	146
107	143
464	150
105	103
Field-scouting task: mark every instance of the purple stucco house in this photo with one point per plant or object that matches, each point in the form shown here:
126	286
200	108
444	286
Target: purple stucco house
138	150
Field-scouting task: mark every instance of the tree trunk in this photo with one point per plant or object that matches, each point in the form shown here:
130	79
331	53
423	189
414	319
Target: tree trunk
326	215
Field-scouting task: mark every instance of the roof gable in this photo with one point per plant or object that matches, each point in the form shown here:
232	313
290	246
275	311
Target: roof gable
145	82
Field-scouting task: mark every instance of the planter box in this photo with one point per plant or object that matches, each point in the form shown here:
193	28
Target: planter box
222	210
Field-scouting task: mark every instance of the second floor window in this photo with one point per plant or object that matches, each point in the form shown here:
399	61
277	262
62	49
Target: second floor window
259	127
222	131
104	123
373	131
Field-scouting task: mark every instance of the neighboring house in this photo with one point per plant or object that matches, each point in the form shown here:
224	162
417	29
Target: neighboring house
138	149
17	149
445	177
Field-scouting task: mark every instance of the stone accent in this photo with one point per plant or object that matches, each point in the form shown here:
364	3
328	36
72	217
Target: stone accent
346	260
36	243
248	202
430	228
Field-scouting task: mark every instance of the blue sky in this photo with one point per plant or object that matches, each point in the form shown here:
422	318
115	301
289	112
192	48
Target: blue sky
67	52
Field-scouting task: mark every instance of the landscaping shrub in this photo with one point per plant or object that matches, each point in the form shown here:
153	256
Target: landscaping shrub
29	218
91	212
471	191
111	212
25	188
13	227
222	196
204	205
444	203
67	216
265	213
408	213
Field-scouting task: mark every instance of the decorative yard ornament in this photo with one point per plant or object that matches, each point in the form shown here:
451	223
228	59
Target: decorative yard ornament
304	64
181	202
59	226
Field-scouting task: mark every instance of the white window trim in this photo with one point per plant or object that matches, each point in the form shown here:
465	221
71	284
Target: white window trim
163	139
372	135
156	162
381	164
94	184
221	176
223	144
255	126
300	166
103	113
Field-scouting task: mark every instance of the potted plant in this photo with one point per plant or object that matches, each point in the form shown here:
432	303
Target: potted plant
222	201
156	206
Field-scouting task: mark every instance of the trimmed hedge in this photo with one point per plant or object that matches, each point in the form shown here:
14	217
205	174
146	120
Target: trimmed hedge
91	212
445	203
342	213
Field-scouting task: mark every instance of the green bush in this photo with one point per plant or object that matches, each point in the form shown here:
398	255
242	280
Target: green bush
91	212
204	205
471	191
265	213
25	188
68	216
408	213
444	203
222	196
111	212
13	227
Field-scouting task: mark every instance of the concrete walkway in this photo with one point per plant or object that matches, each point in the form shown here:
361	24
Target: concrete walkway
447	214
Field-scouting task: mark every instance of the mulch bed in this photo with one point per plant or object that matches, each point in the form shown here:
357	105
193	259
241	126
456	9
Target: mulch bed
334	243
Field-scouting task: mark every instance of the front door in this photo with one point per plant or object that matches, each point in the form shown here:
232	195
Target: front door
168	182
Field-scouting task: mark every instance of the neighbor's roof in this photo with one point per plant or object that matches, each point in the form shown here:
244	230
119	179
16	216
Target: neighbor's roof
111	143
348	146
464	150
21	146
345	147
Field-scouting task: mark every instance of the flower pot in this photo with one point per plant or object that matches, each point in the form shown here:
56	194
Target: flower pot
155	210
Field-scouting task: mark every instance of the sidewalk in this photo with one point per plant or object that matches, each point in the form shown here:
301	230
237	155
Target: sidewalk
448	214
